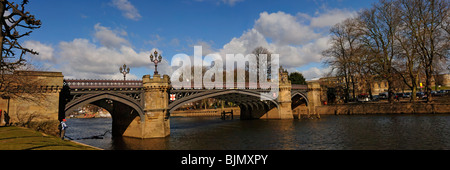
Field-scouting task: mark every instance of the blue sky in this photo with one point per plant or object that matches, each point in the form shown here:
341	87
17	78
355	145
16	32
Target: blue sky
88	39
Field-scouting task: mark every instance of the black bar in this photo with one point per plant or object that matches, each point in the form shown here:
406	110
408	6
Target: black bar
275	159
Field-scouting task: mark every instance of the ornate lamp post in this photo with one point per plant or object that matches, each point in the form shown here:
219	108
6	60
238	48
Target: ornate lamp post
124	70
155	60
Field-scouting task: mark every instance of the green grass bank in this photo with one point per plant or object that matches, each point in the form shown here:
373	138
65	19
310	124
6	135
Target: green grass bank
19	138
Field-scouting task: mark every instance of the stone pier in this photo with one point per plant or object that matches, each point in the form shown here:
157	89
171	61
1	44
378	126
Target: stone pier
314	98
157	122
284	110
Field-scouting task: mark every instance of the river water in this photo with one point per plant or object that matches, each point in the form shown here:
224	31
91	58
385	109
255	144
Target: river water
350	132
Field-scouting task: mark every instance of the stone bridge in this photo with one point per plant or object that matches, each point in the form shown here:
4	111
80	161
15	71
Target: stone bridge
141	108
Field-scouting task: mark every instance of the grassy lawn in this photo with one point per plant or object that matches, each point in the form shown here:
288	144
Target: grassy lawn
18	138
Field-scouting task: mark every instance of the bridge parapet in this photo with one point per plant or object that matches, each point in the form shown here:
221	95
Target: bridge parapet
101	84
299	87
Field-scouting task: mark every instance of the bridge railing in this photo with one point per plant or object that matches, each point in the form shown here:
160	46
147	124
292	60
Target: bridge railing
224	85
299	87
239	85
80	84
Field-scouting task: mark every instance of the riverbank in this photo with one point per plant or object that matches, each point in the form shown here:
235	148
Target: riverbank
385	108
205	112
19	138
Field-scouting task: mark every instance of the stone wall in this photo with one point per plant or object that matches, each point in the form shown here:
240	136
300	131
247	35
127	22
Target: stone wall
39	105
384	108
205	113
446	80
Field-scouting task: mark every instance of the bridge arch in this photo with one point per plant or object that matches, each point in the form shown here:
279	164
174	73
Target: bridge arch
301	95
215	93
299	104
91	98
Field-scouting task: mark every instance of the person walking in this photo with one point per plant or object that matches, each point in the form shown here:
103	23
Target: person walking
6	118
62	128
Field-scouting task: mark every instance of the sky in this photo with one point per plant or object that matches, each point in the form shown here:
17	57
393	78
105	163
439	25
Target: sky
87	39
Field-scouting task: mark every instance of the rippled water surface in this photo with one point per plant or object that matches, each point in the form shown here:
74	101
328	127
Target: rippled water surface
329	132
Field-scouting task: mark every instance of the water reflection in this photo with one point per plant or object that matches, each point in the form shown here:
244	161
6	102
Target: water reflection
126	143
330	132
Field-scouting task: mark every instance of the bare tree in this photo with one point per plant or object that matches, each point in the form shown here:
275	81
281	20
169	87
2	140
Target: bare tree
364	68
380	24
394	40
429	31
261	50
14	20
343	54
408	62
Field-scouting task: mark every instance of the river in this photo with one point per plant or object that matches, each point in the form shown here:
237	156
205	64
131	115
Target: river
350	132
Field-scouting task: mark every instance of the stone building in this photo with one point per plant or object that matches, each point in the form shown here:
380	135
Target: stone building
336	85
445	78
32	95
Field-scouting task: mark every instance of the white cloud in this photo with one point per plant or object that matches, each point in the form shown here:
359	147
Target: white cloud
108	37
81	55
283	28
329	18
45	51
218	2
296	43
314	73
206	47
128	9
245	44
82	58
156	39
298	39
231	2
